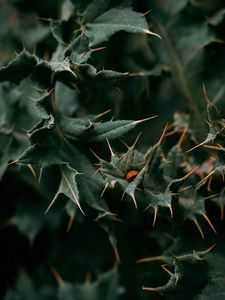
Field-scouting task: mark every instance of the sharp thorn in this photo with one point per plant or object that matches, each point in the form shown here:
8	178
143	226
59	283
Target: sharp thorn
70	223
146	13
144	120
104	189
30	167
50	205
13	162
219	148
185	188
198	227
171	210
110	148
100	159
221	212
170	133
150	259
117	256
196	146
182	137
125	144
102	114
72	72
133	74
95	172
170	126
139	164
34	50
149	289
222	174
163	134
123	195
190	173
206	177
97	49
100	216
56	275
205	94
211	196
88	277
23	44
177	278
152	33
40	175
136	140
208	221
134	200
165	269
207	123
155	215
210	248
44	19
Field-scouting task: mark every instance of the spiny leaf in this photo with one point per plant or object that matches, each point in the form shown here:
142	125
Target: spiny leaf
194	277
68	186
43	105
48	147
114	20
46	73
12	146
80	50
175	156
87	70
89	185
19	68
95	131
215	122
132	186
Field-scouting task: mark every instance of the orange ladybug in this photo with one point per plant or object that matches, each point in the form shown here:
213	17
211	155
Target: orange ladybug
132	174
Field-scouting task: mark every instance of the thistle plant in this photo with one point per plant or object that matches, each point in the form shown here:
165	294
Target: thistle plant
112	154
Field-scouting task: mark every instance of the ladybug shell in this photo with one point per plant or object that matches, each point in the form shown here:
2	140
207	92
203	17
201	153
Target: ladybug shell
131	174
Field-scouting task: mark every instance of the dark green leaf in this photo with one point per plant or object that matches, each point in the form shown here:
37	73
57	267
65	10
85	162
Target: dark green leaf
12	146
114	20
89	131
19	68
47	148
68	185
